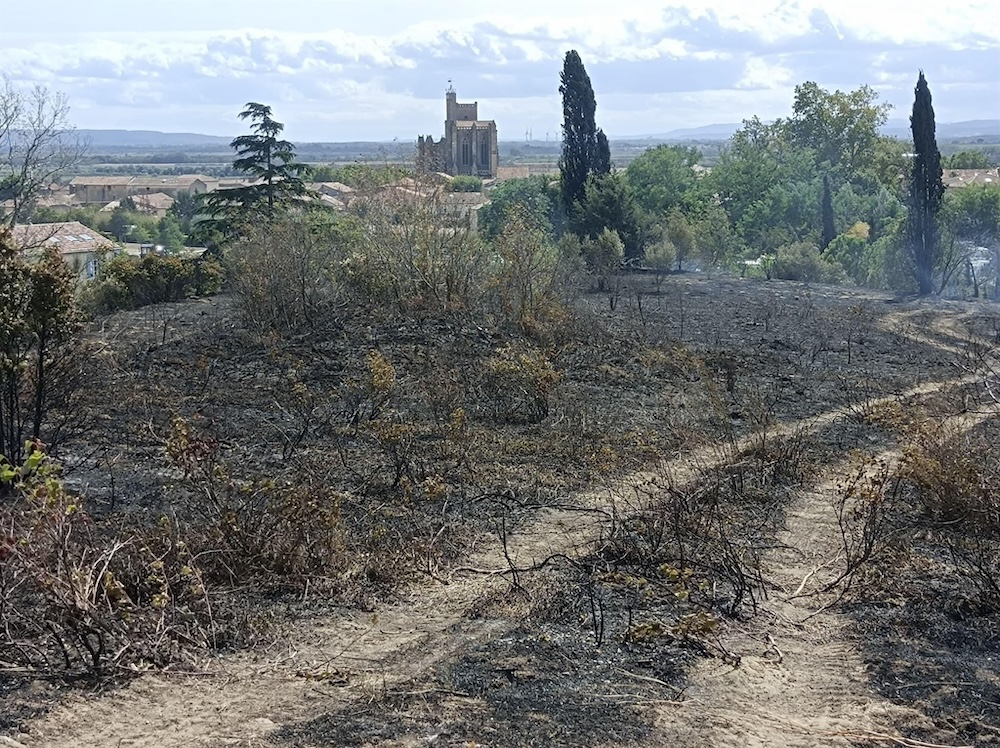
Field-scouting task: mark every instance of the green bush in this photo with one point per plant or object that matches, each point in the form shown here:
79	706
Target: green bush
850	253
802	262
465	183
129	282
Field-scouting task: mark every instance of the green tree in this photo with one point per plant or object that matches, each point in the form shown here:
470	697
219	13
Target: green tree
123	223
850	252
758	158
270	162
926	190
878	206
715	239
38	316
185	208
362	176
784	214
580	144
170	234
602	154
538	202
608	203
840	128
829	228
967	160
662	176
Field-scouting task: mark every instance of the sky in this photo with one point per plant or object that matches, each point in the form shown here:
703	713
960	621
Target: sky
378	69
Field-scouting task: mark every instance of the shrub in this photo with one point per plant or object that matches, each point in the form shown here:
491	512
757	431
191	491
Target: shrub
283	535
465	183
515	384
802	262
75	600
526	273
660	257
413	253
130	282
282	274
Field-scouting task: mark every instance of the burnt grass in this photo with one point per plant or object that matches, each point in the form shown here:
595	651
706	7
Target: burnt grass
423	471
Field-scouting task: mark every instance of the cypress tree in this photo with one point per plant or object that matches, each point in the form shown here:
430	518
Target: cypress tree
926	190
579	147
602	155
829	230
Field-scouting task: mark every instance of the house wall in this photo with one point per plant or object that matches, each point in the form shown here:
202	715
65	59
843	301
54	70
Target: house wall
101	193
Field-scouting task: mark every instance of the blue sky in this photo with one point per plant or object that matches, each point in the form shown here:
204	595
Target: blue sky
377	69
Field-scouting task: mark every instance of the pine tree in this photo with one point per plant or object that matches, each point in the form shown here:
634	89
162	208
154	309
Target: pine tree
579	147
829	229
926	190
277	178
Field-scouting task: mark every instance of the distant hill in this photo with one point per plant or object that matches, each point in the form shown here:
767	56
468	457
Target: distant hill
987	128
148	139
705	132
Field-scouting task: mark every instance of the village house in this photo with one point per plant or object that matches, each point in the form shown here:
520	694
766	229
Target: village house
157	204
83	249
958	178
99	189
335	195
104	190
193	184
464	208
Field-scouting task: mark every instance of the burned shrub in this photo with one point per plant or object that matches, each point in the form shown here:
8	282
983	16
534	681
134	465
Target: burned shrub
514	386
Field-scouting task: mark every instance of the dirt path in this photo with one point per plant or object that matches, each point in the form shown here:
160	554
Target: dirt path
802	683
800	680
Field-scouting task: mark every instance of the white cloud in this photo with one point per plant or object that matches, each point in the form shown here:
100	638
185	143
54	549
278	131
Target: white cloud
759	73
378	68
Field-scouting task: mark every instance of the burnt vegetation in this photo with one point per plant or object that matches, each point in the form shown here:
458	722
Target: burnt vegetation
380	393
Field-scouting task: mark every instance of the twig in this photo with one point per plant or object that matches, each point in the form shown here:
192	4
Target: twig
884	738
425	691
657	681
937	683
774	646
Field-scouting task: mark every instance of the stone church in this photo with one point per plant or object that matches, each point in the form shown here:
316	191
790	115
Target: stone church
469	145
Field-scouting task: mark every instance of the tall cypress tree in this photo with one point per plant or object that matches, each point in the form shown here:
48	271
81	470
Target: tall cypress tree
579	147
829	229
926	190
602	155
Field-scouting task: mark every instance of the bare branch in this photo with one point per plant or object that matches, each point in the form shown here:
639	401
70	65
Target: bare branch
37	143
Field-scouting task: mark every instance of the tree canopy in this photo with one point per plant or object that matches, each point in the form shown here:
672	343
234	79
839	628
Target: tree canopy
37	145
661	176
537	203
841	128
276	178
